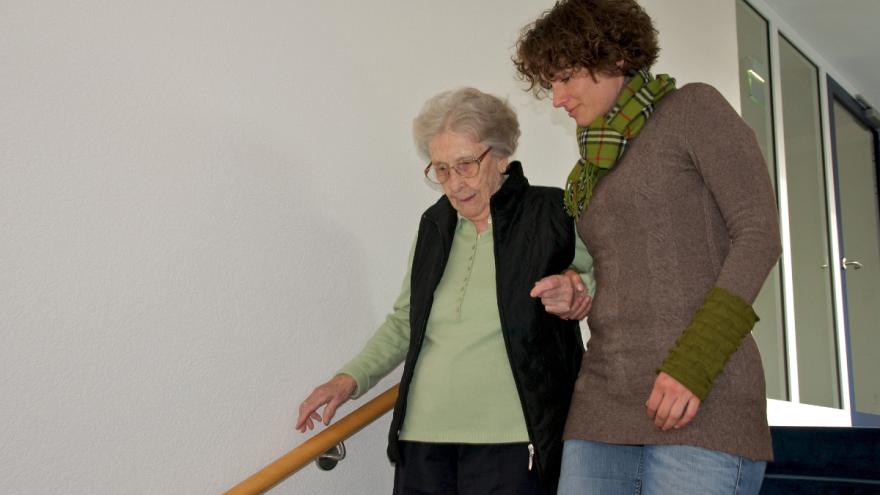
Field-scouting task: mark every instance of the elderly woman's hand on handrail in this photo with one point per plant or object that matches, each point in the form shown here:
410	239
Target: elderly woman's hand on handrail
333	393
563	295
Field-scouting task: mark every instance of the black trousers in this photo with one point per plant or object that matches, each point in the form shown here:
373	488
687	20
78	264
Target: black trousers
465	469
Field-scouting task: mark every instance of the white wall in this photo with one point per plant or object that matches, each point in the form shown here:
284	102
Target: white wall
206	207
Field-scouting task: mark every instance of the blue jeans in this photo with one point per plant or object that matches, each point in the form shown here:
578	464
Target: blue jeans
606	469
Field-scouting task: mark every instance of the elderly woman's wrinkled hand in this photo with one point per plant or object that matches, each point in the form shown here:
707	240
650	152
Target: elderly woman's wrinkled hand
333	393
563	295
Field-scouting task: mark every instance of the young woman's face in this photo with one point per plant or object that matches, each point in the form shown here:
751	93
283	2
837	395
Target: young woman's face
585	96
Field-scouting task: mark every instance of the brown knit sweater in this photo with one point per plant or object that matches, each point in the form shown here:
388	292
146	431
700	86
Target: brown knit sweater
688	207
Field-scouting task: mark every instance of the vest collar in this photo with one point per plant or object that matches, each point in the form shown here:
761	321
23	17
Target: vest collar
505	203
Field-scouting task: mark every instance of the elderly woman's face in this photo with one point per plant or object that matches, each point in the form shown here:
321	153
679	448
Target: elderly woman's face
469	196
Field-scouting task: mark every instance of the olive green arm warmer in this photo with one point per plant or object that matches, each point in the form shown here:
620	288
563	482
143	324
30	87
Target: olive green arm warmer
713	335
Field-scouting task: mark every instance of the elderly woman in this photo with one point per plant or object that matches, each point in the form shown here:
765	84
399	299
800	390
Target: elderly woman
489	369
674	202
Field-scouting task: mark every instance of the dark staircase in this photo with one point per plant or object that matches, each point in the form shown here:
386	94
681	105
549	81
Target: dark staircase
827	461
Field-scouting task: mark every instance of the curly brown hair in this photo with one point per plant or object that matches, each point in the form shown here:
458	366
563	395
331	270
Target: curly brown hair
588	34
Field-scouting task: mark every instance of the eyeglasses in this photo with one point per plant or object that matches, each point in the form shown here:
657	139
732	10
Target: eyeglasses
438	173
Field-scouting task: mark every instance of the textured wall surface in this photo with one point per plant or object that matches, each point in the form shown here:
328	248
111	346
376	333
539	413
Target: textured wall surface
205	209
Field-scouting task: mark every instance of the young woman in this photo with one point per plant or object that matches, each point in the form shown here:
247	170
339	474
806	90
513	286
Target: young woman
673	200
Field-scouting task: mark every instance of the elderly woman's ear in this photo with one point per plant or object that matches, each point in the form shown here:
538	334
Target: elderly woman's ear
503	164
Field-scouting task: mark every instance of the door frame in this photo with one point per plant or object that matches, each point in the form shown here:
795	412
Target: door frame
836	93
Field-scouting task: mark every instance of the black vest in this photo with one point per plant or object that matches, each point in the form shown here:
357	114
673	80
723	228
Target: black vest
533	237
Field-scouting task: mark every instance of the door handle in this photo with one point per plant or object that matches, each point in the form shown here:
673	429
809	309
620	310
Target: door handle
847	264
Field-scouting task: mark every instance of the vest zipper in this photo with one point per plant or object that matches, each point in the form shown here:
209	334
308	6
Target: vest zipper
519	391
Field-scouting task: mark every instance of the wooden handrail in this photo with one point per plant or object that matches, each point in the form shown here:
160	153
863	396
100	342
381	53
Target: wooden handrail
312	448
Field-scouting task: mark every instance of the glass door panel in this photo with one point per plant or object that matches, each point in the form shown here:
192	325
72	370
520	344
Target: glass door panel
757	111
812	296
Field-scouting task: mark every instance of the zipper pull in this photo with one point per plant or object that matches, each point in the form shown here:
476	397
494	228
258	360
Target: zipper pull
531	455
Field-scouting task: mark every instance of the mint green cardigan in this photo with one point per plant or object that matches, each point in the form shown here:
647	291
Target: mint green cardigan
463	389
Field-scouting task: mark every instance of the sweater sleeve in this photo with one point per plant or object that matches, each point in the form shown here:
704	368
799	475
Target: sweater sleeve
387	348
725	152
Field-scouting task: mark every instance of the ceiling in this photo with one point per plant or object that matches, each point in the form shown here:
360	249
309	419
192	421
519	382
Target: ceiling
844	33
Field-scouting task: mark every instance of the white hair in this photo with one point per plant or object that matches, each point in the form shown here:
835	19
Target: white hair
487	118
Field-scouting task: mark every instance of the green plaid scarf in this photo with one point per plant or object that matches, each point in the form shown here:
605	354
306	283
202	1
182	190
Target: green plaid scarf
602	143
